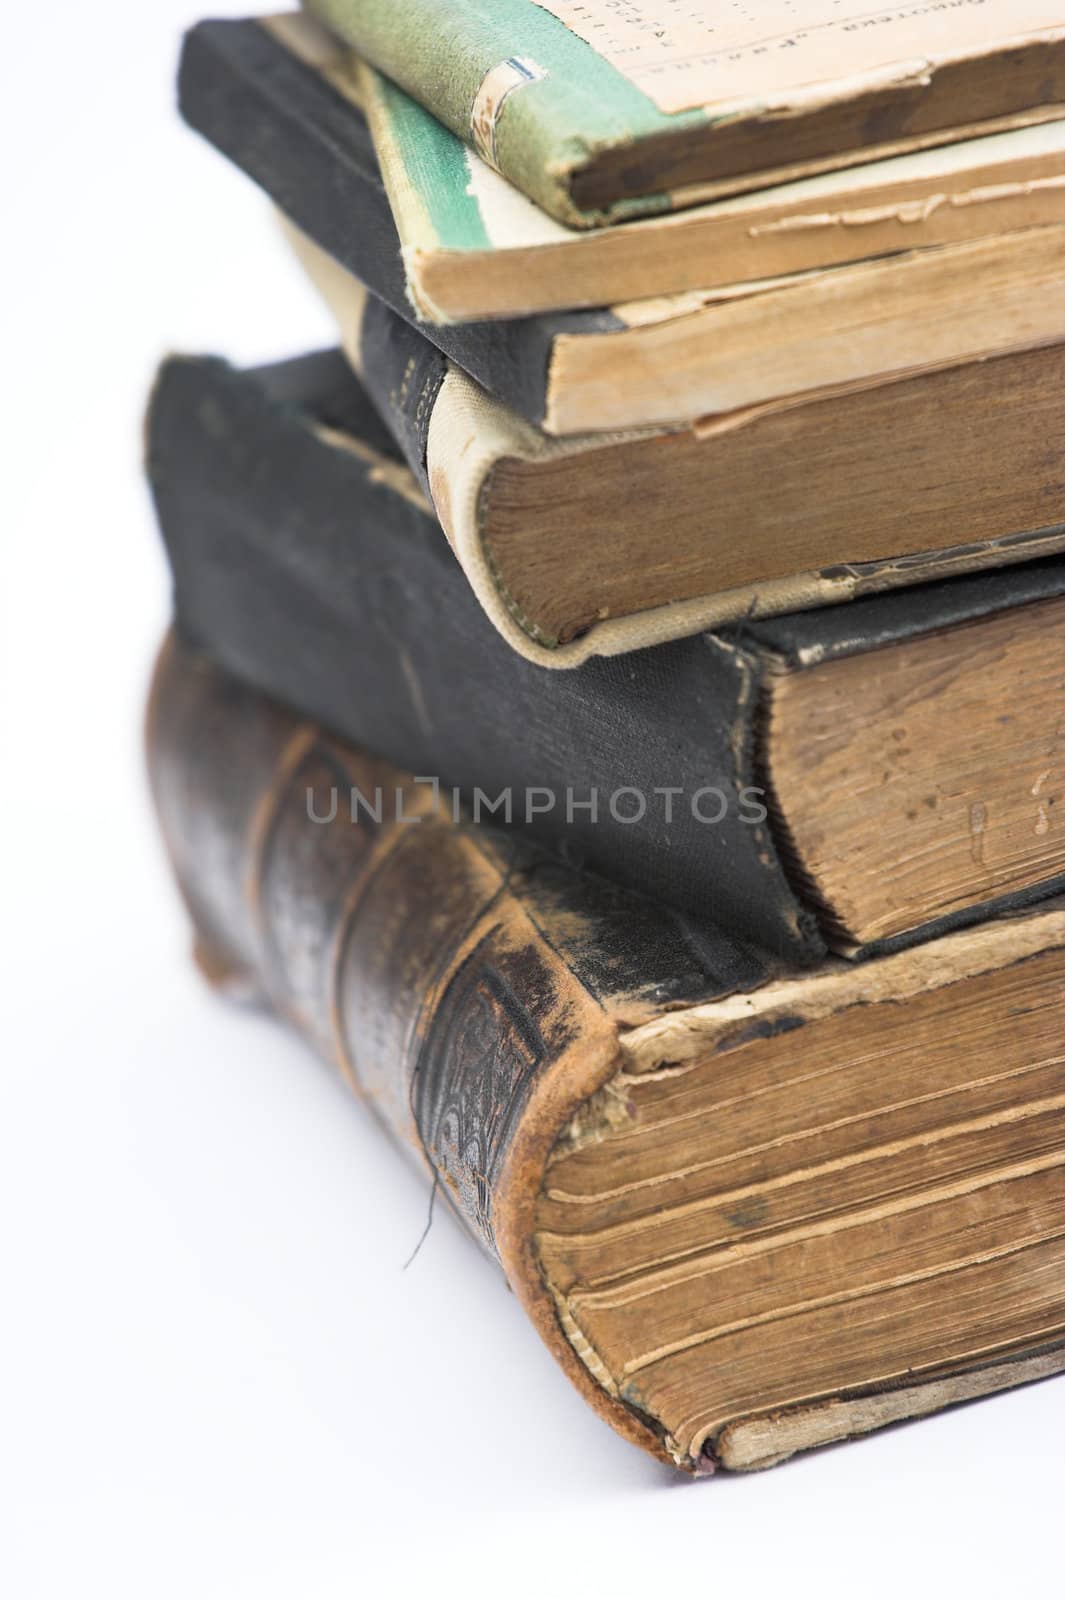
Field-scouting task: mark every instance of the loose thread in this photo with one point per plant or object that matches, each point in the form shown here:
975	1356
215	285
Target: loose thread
428	1222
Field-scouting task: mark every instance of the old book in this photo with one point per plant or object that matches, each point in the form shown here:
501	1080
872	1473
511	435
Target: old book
749	1210
650	361
607	542
599	112
276	95
860	775
474	247
811	334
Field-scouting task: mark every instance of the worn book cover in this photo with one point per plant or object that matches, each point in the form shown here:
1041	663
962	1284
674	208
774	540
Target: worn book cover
711	356
604	543
858	776
285	122
474	247
750	1211
598	111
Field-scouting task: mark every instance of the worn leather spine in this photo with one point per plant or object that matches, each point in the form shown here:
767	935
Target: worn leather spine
477	994
467	986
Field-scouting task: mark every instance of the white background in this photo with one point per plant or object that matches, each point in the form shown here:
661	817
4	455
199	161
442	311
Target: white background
215	1378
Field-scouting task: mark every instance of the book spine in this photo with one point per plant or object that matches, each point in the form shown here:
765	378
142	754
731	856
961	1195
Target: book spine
475	997
362	914
466	993
508	79
308	569
403	374
437	51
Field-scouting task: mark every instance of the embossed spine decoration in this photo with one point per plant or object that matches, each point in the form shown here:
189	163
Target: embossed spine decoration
506	1016
456	977
392	941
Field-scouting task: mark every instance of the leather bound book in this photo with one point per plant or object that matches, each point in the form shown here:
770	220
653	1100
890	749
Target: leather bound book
750	1210
858	775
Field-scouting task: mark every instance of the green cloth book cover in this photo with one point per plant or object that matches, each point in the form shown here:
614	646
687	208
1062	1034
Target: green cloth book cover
600	111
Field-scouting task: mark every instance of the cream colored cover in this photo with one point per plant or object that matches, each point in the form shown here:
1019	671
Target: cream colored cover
470	431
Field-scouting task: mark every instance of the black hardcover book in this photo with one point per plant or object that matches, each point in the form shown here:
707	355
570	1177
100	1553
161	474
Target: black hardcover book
857	776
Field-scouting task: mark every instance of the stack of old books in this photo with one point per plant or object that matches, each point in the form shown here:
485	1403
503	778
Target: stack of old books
616	707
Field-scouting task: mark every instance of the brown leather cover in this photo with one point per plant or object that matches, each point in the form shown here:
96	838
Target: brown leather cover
471	989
